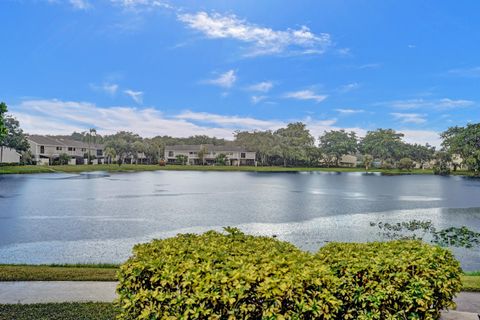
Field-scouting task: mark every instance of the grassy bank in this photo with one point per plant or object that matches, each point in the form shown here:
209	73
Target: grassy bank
107	272
58	311
143	167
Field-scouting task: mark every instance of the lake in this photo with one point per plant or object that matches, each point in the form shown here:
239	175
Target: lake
98	217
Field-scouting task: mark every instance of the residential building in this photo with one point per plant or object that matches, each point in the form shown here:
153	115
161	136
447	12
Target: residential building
47	149
8	155
235	156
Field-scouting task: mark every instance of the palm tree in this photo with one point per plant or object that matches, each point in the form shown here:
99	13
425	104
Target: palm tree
110	153
92	132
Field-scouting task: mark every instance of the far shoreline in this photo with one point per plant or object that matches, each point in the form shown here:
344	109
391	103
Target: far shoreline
126	168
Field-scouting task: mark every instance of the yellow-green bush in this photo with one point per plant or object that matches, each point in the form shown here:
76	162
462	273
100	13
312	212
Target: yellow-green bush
236	276
233	276
393	280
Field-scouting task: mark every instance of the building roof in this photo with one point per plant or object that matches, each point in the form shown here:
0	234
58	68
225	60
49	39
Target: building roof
60	141
209	147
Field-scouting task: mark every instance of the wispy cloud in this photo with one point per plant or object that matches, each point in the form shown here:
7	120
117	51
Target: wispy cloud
438	104
141	4
224	80
415	118
258	99
263	86
137	96
263	40
80	4
472	72
349	111
349	87
306	95
109	88
369	66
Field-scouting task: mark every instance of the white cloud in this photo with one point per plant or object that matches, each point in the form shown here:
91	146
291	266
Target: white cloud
141	4
349	87
409	117
109	88
263	86
439	104
137	96
422	137
263	40
349	111
472	72
258	99
305	95
80	4
224	80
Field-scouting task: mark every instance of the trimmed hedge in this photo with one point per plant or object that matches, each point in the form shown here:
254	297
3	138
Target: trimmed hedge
393	280
237	276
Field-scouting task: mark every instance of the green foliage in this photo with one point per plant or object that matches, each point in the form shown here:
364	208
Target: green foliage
367	161
382	144
58	311
181	159
221	159
64	158
442	163
337	143
457	237
3	128
405	164
236	276
393	280
233	276
464	141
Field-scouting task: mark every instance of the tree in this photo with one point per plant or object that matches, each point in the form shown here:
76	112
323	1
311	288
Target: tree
64	158
181	159
15	138
382	144
405	163
335	144
221	159
367	161
110	153
201	154
3	128
442	163
293	142
464	141
138	149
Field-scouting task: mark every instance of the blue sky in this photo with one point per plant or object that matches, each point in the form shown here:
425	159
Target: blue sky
210	67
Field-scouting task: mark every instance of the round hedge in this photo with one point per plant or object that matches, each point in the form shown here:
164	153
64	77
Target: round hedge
232	276
237	276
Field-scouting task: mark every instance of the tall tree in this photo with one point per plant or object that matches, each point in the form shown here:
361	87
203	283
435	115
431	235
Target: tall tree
15	138
3	128
464	141
293	142
382	144
337	143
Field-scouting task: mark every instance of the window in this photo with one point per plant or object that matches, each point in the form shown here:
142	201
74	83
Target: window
59	148
71	149
242	155
84	149
99	152
42	149
170	153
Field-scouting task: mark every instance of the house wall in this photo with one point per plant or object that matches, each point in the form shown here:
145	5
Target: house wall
192	156
8	155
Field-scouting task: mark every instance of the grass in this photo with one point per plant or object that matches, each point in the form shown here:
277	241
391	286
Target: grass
58	311
145	167
79	272
107	272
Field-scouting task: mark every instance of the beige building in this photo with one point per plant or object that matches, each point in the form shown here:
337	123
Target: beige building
8	155
236	156
47	149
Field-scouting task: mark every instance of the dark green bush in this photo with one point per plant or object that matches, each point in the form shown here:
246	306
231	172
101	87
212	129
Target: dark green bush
236	276
233	276
393	280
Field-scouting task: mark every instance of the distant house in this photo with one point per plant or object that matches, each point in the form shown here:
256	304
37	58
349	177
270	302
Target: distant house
348	161
47	149
8	155
235	156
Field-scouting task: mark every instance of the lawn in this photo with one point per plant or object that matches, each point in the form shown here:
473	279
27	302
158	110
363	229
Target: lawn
58	311
105	272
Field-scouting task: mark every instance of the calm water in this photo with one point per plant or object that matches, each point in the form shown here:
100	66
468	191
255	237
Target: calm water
97	217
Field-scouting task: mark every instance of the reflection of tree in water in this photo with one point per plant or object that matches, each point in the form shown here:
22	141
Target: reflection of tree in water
425	230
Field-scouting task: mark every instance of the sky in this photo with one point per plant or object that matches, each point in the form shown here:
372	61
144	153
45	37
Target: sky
182	68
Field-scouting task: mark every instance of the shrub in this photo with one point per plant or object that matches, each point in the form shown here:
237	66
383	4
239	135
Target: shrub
236	276
233	276
393	280
405	163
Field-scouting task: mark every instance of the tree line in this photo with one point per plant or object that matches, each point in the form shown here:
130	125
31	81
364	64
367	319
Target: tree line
292	145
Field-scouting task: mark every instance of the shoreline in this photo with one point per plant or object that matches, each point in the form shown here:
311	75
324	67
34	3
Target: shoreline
125	168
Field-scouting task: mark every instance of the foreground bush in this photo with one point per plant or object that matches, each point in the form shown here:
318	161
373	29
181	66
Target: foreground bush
233	276
236	276
393	280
